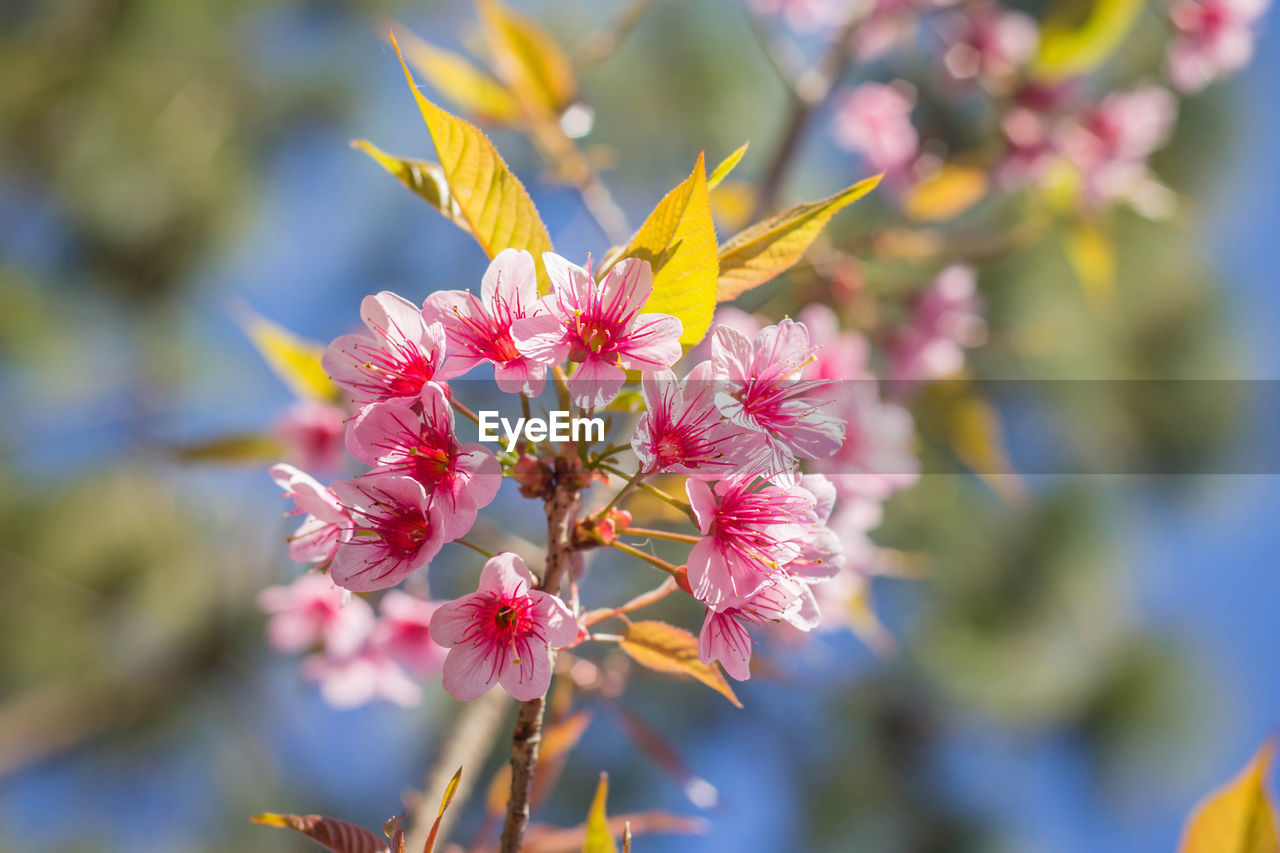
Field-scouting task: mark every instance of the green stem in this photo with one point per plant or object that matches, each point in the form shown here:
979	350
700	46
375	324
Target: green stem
656	562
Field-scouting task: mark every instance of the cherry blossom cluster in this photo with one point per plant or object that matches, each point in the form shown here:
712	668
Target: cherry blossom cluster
984	49
785	443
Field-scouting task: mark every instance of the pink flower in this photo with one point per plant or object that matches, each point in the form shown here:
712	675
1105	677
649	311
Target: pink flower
354	680
724	638
682	431
876	458
313	610
403	353
316	539
989	42
479	330
761	391
946	318
1110	143
396	531
458	478
750	532
1215	39
837	355
403	633
805	15
874	120
312	432
502	632
599	325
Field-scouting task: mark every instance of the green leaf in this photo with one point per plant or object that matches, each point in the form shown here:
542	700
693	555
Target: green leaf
422	176
336	835
599	839
666	648
471	89
295	360
726	166
449	791
527	59
773	246
1239	817
494	203
678	239
1075	40
246	448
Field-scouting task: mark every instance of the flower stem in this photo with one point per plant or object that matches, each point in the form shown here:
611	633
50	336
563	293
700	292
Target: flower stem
465	412
474	547
656	492
624	491
562	510
663	534
643	600
656	562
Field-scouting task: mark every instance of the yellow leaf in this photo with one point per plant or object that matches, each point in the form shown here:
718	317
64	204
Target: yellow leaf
454	77
248	447
770	247
679	242
1239	817
294	359
422	176
945	194
972	428
1074	41
726	166
1093	258
494	203
449	791
527	59
598	837
666	648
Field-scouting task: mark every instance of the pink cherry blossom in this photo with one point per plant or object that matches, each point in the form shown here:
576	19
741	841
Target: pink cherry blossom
877	457
403	632
396	530
750	530
479	329
503	632
316	539
599	325
312	611
403	352
1214	40
312	434
837	355
366	676
946	318
989	42
761	391
682	431
459	478
724	636
1110	144
874	120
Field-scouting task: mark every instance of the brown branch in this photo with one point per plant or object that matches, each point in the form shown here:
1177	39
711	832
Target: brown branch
562	511
808	95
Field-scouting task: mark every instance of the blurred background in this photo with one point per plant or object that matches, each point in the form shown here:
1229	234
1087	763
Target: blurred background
1074	672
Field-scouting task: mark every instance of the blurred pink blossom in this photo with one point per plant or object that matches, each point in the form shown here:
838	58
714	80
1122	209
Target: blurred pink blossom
945	320
988	42
837	355
314	611
1214	39
367	676
878	457
805	15
403	632
874	120
312	434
